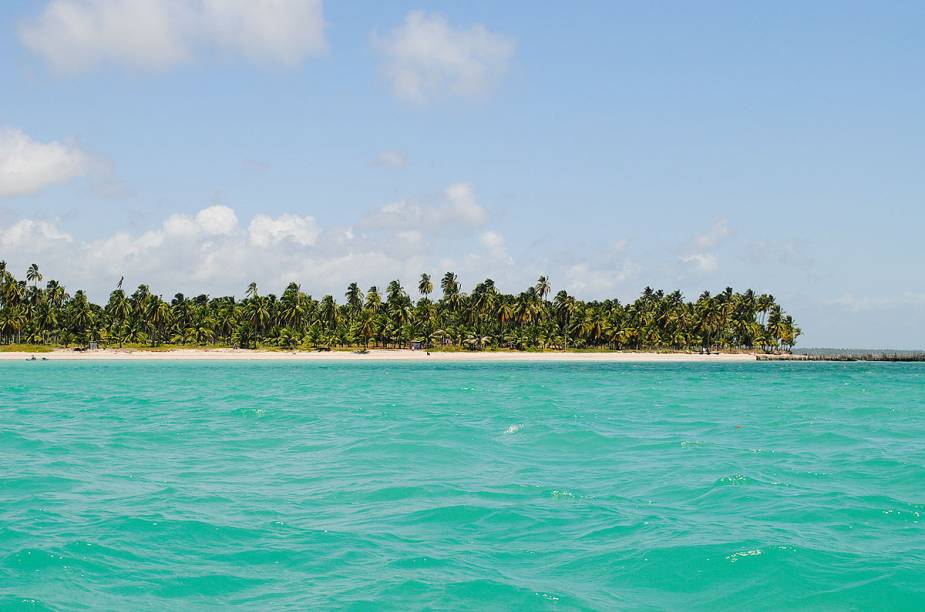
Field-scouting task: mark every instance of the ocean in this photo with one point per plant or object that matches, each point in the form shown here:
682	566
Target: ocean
204	485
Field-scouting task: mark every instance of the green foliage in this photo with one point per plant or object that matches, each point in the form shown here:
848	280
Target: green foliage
482	320
25	348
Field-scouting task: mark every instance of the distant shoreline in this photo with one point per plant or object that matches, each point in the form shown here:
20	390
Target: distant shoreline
225	354
233	354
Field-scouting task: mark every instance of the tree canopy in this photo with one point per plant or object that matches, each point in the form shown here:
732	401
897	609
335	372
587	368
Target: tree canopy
484	318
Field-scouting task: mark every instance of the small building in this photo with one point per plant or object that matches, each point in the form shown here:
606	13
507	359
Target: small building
94	346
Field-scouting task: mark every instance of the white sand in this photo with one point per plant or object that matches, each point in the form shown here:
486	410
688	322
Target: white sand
372	355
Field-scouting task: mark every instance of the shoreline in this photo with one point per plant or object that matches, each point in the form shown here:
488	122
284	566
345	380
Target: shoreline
225	354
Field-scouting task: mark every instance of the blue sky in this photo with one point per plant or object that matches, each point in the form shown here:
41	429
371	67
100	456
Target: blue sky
204	143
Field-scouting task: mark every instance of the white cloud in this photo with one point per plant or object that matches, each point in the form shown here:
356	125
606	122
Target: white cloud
32	234
181	225
125	250
396	215
713	236
409	241
426	57
76	35
208	251
217	220
459	208
391	159
27	166
699	253
463	204
600	279
212	251
704	262
73	35
492	240
284	31
265	230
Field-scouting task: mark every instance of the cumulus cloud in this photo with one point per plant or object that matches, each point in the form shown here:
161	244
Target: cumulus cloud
463	205
76	35
181	225
27	166
391	159
217	220
265	230
713	236
73	35
494	242
33	234
283	31
426	57
213	251
704	262
459	208
699	253
599	279
218	252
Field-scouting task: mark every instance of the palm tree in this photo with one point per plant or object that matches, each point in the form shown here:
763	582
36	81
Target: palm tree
367	328
328	312
354	297
564	307
119	309
425	286
373	300
33	275
12	320
542	288
160	316
293	307
450	285
763	305
258	313
484	317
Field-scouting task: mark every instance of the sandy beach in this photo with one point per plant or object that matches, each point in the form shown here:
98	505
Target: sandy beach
372	355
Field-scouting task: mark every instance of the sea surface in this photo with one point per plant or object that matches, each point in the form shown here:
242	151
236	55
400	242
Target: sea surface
183	486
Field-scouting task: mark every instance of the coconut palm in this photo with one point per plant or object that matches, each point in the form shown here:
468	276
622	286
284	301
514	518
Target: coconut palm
450	285
33	275
373	299
425	286
542	288
354	297
482	318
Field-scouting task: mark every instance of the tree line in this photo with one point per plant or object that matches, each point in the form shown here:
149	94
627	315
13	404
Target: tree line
482	319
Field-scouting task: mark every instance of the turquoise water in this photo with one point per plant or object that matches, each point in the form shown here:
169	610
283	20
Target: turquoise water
469	486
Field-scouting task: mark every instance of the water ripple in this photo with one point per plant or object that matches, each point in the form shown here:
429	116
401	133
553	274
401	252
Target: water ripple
527	486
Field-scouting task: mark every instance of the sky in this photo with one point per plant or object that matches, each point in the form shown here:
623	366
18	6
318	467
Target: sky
196	145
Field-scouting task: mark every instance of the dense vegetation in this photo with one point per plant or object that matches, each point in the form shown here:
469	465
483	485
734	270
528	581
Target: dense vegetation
484	318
